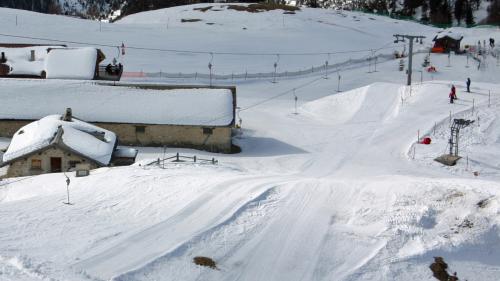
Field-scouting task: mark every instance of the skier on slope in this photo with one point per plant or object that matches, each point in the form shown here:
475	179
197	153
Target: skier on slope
453	94
468	85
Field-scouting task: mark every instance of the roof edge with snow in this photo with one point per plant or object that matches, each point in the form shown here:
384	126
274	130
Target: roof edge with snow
67	142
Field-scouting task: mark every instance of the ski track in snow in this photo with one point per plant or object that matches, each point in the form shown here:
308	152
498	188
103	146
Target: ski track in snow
334	192
125	255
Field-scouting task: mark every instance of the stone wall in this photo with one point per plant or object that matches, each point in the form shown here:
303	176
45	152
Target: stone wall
215	139
9	127
153	135
22	167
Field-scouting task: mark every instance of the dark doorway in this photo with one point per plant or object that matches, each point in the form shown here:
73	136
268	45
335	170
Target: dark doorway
55	165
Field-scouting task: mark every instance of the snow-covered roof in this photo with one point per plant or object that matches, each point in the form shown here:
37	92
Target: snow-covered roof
90	141
74	63
34	99
449	33
19	60
58	63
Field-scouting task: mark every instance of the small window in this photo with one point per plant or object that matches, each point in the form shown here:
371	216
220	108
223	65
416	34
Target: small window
36	164
72	164
208	131
140	129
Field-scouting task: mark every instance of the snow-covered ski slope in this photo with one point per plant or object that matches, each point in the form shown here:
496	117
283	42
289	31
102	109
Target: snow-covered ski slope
220	31
339	191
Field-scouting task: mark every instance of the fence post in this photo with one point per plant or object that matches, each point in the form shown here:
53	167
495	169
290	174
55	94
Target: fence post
338	83
194	158
418	136
489	98
213	160
177	157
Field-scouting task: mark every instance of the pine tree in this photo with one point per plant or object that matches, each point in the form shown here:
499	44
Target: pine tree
409	6
478	4
434	6
392	7
446	13
425	10
469	17
459	10
494	12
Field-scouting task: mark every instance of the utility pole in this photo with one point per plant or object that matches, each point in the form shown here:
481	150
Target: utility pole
296	99
210	65
338	83
68	181
164	151
400	38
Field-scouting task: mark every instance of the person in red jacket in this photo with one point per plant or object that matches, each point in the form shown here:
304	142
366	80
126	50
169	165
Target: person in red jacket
453	94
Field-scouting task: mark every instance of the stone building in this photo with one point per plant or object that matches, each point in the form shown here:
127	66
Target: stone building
57	144
199	117
55	62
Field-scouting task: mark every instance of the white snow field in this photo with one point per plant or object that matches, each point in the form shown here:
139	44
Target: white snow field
338	191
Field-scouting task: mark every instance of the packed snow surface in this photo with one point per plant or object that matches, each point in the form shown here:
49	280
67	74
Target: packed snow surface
77	135
337	188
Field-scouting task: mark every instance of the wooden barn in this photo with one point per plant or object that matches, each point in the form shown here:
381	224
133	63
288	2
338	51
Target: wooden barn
447	41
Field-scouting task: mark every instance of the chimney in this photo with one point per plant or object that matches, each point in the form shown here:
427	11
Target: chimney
67	115
32	55
3	59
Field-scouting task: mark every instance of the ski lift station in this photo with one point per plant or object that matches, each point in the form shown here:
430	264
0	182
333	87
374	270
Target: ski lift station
446	41
200	117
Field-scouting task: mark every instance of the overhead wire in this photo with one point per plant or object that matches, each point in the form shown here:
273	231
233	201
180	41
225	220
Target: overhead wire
306	84
372	50
193	51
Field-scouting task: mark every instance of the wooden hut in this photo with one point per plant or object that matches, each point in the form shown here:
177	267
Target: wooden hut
447	41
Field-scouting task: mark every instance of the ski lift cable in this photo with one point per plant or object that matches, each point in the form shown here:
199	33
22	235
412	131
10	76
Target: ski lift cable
270	98
194	51
306	84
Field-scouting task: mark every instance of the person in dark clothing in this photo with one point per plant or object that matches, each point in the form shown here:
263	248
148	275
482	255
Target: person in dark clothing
439	269
468	85
453	278
453	94
492	42
108	69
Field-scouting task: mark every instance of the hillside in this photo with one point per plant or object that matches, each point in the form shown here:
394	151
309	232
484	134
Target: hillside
456	12
336	188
